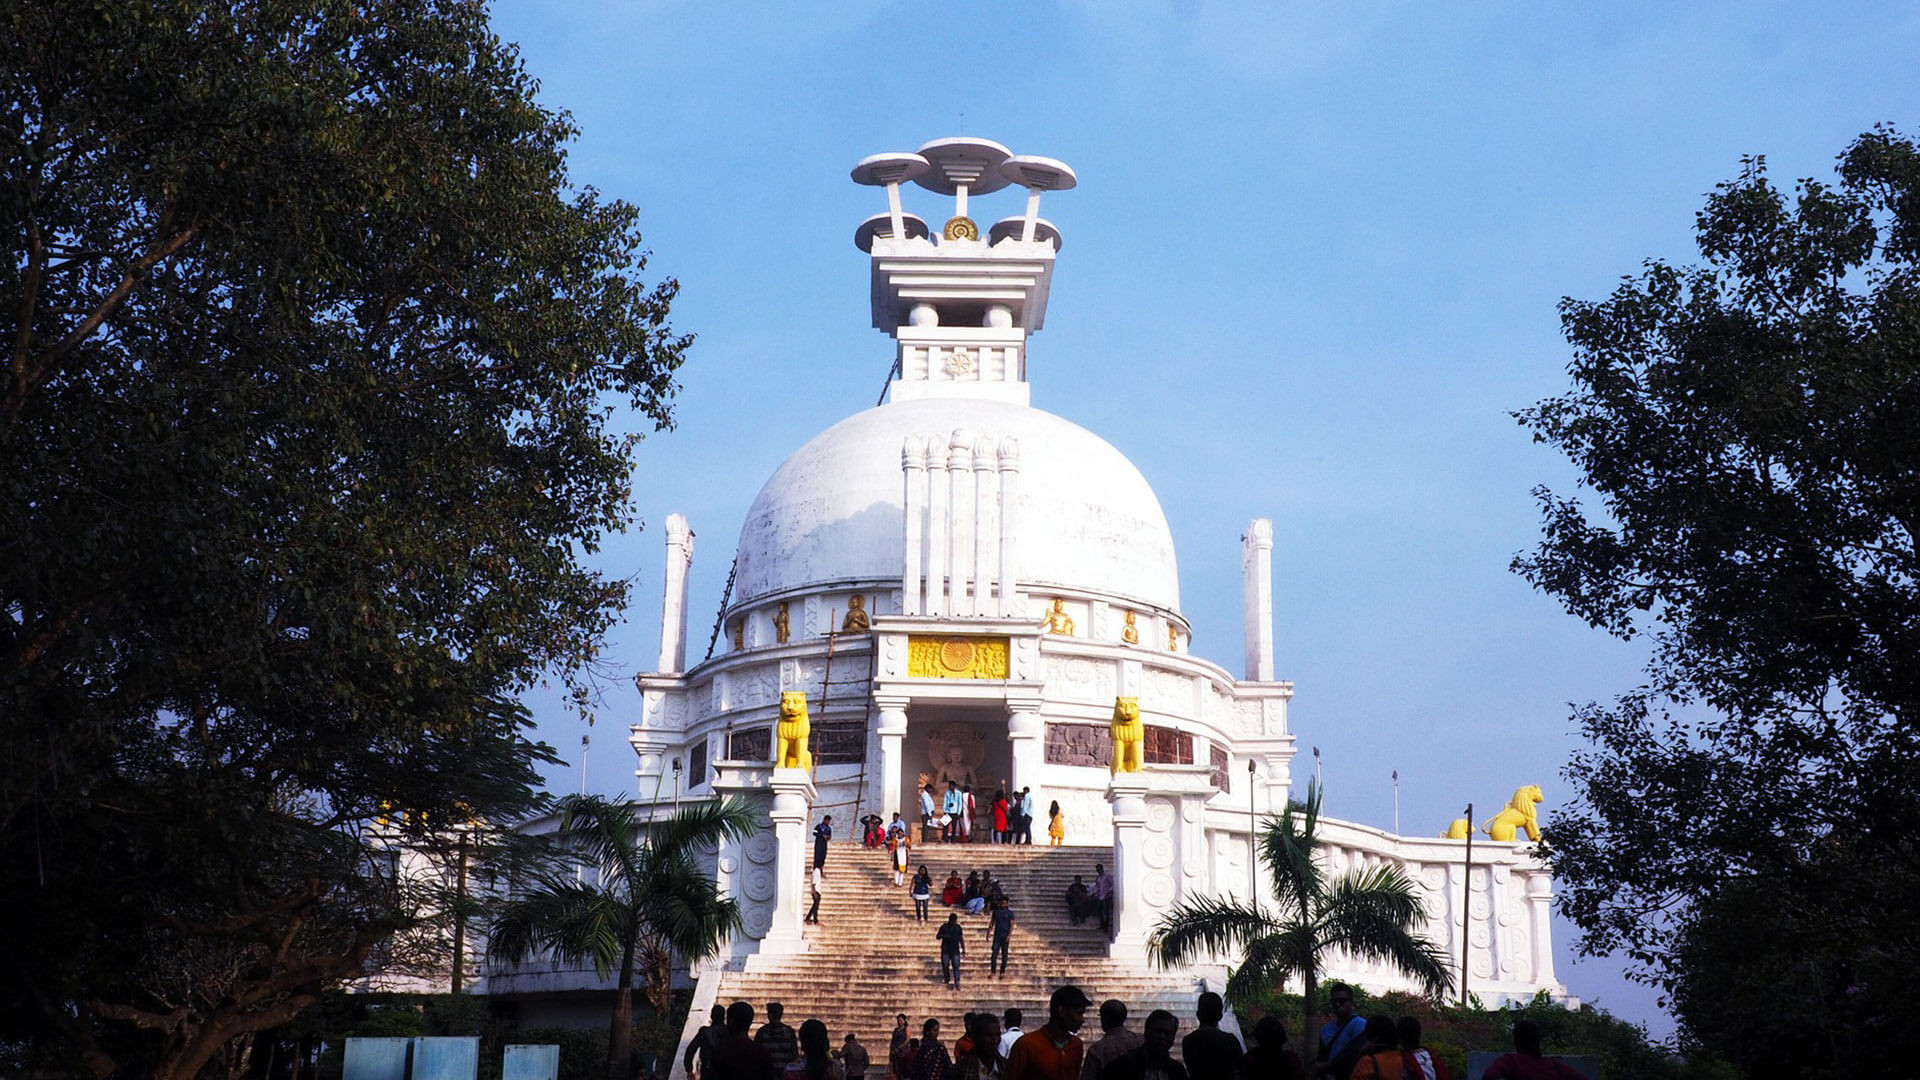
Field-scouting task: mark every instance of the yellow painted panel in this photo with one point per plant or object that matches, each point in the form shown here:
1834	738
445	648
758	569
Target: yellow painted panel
931	656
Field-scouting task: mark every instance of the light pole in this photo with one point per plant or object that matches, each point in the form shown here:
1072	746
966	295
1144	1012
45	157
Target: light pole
1316	766
676	787
1466	910
1396	802
1253	843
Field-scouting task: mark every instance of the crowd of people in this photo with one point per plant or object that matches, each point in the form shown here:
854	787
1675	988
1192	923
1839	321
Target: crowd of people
959	818
995	1046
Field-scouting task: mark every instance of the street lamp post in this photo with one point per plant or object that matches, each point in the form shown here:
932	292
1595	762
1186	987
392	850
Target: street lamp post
1253	843
676	787
1466	910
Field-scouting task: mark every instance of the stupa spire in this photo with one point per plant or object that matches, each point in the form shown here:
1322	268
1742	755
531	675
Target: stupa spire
961	304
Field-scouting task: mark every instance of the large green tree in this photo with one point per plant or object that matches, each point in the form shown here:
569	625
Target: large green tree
312	354
1750	429
645	899
1367	914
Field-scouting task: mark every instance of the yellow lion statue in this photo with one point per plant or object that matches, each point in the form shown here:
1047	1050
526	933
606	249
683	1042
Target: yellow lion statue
790	743
1129	735
1518	814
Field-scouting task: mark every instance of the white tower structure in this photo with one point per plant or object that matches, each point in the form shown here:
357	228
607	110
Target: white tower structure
964	587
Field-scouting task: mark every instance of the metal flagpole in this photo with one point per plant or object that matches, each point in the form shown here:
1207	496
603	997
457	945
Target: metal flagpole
1396	802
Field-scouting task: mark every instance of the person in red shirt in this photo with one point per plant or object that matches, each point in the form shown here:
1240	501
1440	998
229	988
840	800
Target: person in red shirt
1525	1063
1053	1051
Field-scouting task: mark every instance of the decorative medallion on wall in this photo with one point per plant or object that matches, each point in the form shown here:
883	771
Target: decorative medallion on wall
931	657
959	362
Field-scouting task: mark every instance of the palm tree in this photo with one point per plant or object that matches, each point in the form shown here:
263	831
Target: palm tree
646	898
1370	914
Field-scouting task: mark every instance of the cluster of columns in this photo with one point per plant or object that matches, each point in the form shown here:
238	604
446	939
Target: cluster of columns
960	495
1026	736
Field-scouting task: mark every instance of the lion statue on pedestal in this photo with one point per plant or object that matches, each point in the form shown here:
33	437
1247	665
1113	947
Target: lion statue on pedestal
1129	735
1519	814
790	736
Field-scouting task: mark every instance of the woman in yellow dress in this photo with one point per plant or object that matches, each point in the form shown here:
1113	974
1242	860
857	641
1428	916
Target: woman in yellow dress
1056	825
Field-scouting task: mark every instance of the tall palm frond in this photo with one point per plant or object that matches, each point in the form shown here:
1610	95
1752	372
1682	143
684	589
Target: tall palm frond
1286	849
1371	914
1207	924
569	920
649	898
1271	960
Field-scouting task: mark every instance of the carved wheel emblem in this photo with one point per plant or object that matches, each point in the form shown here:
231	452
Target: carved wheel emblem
960	228
956	654
959	362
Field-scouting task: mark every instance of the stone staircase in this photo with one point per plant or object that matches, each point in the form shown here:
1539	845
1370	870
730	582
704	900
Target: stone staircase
868	959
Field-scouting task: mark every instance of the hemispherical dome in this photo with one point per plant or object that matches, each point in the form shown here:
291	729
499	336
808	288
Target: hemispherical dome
1085	519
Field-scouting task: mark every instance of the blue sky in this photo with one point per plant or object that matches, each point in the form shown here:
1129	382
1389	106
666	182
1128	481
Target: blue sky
1311	268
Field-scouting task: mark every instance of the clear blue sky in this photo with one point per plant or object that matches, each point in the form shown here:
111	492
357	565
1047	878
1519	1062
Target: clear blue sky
1312	266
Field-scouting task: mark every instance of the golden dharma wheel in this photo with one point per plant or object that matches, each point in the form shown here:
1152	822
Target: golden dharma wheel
956	654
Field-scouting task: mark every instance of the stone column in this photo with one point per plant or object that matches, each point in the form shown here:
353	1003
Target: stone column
913	465
936	527
892	732
1009	486
792	799
1256	568
1128	792
959	547
982	513
1026	733
1540	908
673	606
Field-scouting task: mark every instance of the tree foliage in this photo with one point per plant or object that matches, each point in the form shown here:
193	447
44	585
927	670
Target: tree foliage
1369	915
311	355
649	899
1748	426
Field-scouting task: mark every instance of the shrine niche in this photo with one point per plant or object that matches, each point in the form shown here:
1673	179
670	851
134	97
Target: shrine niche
697	763
840	743
955	753
750	744
1089	745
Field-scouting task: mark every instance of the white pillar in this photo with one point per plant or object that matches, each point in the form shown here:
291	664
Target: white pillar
913	466
1256	569
1026	734
1128	792
1009	486
960	548
792	797
1540	908
982	514
936	527
673	606
893	732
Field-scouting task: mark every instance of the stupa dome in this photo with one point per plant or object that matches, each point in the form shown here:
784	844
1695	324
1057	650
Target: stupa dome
1086	522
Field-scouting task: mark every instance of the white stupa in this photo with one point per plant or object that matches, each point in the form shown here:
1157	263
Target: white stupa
962	585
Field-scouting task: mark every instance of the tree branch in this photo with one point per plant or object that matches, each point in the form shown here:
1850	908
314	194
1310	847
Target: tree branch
27	376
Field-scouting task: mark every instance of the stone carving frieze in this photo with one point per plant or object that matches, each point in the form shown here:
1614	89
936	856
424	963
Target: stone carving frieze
1168	692
1079	744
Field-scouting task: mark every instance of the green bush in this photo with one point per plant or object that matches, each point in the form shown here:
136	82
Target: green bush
583	1051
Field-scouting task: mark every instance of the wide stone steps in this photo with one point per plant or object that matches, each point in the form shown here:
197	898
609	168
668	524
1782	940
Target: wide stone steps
869	958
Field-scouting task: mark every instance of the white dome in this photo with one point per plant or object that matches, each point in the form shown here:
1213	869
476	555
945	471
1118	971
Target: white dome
1087	521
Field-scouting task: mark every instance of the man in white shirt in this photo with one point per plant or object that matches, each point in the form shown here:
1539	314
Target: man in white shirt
926	805
1012	1034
